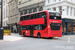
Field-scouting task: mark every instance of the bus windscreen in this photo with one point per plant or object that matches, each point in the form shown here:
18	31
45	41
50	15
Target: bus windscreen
54	16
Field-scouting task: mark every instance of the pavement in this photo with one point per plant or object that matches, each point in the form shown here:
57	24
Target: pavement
11	38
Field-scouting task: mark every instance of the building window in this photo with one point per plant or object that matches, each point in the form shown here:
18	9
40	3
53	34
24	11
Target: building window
74	11
74	27
48	1
9	21
25	12
3	23
30	11
69	27
67	10
54	9
6	13
21	13
49	9
6	22
71	11
41	8
64	27
60	9
54	0
59	0
35	10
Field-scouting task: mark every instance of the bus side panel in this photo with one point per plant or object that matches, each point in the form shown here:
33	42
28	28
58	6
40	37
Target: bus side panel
27	32
37	31
42	32
32	21
45	33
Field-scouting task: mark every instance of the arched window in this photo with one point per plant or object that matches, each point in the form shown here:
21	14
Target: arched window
35	10
41	8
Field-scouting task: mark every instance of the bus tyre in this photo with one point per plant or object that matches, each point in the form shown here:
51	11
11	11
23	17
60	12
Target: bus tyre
39	35
24	34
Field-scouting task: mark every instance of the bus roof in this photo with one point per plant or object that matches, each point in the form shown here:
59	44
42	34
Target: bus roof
53	11
40	11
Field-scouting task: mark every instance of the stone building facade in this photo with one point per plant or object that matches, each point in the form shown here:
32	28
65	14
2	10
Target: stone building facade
0	14
30	6
5	13
67	10
13	19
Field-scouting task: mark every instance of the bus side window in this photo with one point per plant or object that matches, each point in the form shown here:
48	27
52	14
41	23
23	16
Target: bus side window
39	15
28	27
44	14
25	17
31	27
28	17
44	26
34	16
24	27
22	18
38	27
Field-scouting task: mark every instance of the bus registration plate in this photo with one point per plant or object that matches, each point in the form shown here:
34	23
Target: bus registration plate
55	36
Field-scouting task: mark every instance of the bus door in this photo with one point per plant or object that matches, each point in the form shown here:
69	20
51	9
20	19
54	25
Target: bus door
31	30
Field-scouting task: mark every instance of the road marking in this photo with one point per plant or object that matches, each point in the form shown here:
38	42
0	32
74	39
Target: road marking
62	41
68	39
58	40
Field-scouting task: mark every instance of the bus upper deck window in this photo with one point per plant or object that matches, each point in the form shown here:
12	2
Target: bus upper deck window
44	14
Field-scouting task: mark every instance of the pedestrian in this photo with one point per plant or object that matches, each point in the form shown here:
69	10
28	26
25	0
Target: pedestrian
14	30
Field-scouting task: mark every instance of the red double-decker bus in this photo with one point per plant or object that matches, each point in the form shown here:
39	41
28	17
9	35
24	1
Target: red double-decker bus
41	24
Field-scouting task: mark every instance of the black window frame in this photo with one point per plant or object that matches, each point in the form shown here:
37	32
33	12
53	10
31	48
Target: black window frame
21	19
55	26
34	16
39	15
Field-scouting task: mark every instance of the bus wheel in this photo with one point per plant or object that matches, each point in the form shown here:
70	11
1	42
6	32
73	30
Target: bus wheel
39	35
24	34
